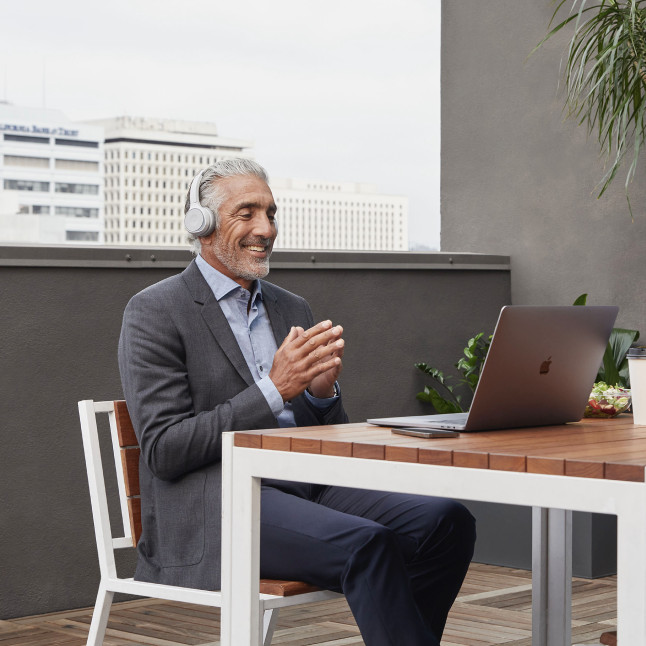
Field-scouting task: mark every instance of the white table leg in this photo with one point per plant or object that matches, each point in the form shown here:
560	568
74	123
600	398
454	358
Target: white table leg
240	620
631	572
551	577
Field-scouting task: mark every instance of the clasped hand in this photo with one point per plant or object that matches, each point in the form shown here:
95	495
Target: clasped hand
308	359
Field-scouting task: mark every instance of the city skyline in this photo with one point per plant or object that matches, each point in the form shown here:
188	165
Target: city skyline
335	91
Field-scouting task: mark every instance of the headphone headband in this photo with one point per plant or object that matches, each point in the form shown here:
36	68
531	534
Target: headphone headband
194	192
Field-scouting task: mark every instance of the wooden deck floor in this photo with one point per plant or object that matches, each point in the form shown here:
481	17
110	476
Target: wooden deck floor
494	607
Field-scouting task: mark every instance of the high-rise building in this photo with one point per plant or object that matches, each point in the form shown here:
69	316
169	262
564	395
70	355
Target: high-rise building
339	215
51	178
148	166
123	181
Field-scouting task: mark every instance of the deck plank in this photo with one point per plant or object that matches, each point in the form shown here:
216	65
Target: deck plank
493	608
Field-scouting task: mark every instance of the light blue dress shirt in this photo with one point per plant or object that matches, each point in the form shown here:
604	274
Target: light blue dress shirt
251	327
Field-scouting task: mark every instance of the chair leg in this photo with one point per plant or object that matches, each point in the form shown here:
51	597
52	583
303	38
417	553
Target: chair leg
269	620
100	616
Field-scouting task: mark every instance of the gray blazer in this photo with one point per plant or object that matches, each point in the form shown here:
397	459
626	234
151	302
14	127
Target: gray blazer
186	382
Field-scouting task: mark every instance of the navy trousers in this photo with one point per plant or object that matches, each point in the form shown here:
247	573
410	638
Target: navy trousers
398	559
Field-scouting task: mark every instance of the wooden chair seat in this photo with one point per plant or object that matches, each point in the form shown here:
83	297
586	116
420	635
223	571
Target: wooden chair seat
280	588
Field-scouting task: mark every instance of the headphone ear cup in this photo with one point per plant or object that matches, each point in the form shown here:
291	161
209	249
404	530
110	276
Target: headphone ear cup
199	221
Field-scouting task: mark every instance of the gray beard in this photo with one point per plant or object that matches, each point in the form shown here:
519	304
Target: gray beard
248	269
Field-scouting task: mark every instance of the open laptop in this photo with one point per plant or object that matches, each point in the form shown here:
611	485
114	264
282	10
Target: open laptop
539	370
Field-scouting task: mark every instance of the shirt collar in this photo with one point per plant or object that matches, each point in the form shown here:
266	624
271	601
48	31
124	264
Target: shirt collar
222	285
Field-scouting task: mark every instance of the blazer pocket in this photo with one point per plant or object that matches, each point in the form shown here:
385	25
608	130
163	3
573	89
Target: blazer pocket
179	510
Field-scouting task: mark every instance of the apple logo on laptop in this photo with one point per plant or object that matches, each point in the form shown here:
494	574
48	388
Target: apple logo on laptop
545	366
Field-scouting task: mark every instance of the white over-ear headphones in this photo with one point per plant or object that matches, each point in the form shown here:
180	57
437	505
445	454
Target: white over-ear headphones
199	220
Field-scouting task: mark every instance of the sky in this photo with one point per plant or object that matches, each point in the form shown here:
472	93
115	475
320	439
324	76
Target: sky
335	90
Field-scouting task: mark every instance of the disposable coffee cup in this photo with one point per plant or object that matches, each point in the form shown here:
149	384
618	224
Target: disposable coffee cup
637	371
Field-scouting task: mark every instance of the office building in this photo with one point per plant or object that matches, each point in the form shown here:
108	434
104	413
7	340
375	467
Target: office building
51	178
148	166
339	215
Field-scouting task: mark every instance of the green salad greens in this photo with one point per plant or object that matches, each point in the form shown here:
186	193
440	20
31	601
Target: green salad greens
607	401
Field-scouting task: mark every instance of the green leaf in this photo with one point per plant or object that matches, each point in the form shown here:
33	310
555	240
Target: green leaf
438	402
613	370
435	374
581	300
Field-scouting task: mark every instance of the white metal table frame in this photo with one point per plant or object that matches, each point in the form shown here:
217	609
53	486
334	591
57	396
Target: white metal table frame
552	497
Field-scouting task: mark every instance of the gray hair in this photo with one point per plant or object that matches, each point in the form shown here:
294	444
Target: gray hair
211	194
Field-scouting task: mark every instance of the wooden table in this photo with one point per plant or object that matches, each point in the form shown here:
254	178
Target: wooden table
592	465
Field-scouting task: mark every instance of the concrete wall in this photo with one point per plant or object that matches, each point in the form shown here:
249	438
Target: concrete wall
61	316
519	180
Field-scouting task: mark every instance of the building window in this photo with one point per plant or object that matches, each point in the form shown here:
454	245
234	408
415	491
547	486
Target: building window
74	164
85	189
85	236
31	162
25	139
33	209
77	142
77	212
25	185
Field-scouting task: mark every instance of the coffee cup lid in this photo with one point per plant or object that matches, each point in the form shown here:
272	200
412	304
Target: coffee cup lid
637	353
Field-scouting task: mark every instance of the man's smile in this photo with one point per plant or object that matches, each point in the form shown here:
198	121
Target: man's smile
259	248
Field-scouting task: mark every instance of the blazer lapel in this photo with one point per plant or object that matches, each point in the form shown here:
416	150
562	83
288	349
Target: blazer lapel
216	320
278	324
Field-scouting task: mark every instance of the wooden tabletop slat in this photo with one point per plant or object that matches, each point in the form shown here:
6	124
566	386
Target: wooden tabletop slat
585	469
592	448
277	442
471	459
402	453
504	462
551	466
624	471
248	439
441	457
369	451
336	447
306	445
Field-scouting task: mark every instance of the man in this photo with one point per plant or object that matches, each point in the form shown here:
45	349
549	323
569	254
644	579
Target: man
217	349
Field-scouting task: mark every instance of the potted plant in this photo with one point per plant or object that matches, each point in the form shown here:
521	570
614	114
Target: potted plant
605	77
441	394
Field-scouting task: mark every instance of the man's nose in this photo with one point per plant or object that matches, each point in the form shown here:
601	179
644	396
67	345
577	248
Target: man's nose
264	227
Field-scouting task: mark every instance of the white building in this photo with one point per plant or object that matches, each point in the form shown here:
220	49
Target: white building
51	178
149	164
339	215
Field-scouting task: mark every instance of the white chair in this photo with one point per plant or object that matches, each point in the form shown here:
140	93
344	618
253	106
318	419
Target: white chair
273	594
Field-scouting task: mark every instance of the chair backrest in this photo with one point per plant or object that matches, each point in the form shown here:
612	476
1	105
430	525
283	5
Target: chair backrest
125	452
129	451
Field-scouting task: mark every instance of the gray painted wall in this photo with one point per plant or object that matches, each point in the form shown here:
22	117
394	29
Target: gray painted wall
519	180
61	316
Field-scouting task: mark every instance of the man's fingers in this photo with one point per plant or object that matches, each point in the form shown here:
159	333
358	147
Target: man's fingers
319	335
332	348
323	366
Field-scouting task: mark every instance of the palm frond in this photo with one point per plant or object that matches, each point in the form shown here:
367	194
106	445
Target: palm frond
604	77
